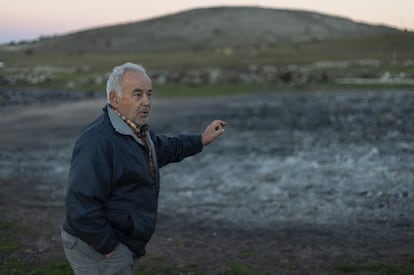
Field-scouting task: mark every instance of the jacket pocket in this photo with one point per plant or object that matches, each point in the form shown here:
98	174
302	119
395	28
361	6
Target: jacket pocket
120	220
143	224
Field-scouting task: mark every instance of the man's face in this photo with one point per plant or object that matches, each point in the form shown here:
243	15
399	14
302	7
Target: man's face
135	103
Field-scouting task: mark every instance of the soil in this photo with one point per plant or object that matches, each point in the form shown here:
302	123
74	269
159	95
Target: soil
300	183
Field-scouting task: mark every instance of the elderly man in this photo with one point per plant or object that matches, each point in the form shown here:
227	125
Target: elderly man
112	199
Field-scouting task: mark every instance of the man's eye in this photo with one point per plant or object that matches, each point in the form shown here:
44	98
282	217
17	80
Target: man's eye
137	95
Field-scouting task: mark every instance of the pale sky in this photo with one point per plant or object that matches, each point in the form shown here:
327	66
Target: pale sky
30	19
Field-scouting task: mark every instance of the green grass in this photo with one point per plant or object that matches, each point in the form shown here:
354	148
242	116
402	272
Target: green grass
17	267
8	242
7	245
11	237
236	268
377	268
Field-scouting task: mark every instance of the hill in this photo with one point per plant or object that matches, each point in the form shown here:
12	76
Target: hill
211	28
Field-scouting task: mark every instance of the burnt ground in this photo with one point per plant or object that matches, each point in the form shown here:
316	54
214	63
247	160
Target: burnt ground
300	183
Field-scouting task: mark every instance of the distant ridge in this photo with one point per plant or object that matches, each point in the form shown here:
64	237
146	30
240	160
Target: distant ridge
211	28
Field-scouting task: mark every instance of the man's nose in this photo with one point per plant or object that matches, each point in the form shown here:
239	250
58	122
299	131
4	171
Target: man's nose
146	100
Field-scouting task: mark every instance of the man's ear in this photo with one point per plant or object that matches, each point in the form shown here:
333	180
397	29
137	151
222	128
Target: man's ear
114	99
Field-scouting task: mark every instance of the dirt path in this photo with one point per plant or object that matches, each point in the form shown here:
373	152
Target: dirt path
299	184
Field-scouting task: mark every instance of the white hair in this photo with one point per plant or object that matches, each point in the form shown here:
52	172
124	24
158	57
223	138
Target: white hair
115	78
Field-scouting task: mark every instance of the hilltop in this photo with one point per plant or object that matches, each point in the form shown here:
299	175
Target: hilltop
211	28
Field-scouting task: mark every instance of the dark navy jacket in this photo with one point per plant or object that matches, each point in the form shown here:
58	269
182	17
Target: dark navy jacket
112	195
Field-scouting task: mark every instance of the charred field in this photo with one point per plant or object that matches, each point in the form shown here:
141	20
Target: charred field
300	183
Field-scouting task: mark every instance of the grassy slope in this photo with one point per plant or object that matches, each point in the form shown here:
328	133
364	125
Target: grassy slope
210	28
382	48
390	51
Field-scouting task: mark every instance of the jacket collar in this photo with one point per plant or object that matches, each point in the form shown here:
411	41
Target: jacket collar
119	125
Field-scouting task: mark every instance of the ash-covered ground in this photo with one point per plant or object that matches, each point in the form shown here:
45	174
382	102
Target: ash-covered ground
336	163
318	158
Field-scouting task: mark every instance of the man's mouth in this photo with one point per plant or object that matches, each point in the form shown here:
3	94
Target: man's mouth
144	112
